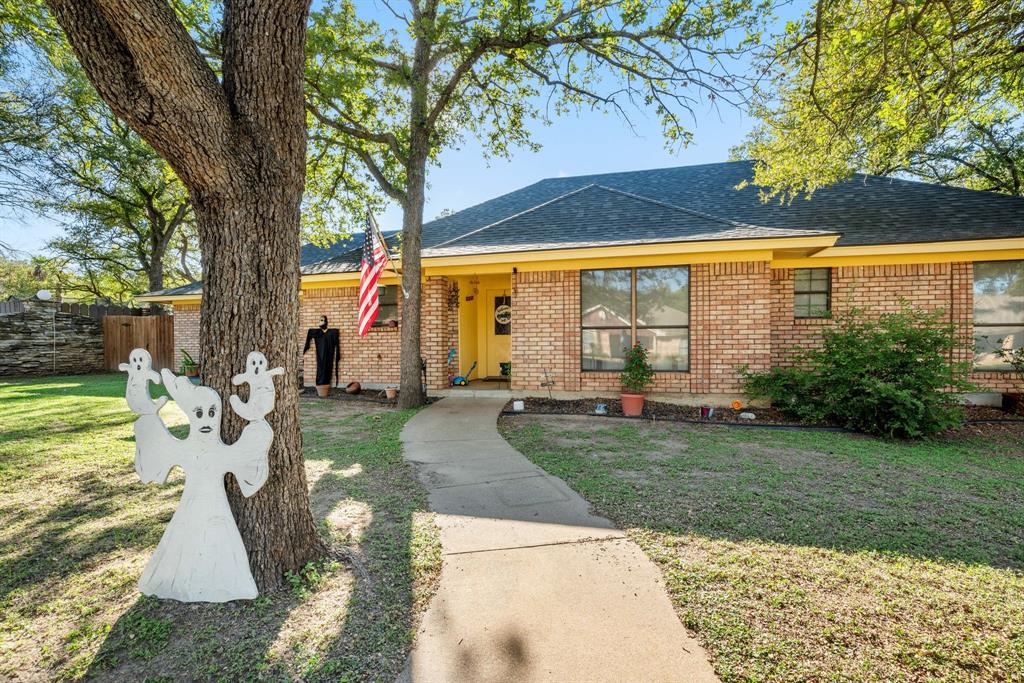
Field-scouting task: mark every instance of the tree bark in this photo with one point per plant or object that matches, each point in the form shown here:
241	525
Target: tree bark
255	250
411	393
411	390
239	146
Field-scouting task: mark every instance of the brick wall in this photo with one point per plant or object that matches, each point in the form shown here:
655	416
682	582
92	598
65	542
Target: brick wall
730	323
545	329
439	330
373	358
879	289
730	308
740	314
186	333
883	289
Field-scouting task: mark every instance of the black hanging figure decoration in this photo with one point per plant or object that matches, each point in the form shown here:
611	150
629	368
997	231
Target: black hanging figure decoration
328	351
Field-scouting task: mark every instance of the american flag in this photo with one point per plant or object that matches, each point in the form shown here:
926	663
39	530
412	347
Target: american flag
375	260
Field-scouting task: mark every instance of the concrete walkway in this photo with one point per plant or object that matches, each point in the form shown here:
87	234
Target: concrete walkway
534	587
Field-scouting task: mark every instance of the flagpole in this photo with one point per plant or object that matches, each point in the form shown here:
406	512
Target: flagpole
380	236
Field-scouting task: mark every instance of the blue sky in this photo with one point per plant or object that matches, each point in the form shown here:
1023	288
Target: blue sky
591	142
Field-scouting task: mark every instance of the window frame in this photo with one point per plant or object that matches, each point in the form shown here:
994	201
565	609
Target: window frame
632	316
633	326
827	292
975	325
381	320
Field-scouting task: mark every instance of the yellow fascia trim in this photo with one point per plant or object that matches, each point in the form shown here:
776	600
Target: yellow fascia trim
176	299
898	259
924	248
328	280
632	251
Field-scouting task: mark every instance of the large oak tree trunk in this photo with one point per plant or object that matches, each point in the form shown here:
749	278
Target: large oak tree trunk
255	249
239	145
411	392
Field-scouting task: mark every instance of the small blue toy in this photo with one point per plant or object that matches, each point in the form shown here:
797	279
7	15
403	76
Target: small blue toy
462	381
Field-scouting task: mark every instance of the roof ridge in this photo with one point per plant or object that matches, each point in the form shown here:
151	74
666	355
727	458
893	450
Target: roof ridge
694	212
515	215
644	170
939	186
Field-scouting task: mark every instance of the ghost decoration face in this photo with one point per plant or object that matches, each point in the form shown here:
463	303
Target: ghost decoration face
256	362
140	360
203	407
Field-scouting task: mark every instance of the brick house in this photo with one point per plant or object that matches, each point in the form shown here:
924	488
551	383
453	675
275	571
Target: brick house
706	275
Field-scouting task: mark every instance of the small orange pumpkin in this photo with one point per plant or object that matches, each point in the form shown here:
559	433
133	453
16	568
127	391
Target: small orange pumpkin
736	405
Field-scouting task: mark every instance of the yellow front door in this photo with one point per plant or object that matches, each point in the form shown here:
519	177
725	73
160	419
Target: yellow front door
496	319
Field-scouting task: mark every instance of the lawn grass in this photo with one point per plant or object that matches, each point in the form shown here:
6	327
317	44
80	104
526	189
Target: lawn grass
815	556
79	527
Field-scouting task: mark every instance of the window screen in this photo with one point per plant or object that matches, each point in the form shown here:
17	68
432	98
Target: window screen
812	289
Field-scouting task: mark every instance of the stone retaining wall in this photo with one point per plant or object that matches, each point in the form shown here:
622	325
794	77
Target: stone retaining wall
42	341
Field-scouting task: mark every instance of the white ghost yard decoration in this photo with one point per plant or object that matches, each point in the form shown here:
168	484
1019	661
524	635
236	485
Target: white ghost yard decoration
261	388
140	373
200	557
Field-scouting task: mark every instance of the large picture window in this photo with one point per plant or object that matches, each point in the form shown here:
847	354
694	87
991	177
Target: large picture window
606	317
649	305
998	312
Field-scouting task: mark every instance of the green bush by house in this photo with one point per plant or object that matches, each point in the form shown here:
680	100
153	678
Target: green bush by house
891	375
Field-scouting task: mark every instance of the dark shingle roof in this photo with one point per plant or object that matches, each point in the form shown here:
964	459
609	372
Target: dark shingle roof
595	216
691	203
863	210
339	257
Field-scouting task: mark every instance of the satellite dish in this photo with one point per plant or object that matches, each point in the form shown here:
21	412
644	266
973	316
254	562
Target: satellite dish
44	295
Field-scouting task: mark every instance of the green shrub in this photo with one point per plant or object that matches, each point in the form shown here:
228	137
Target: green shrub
637	373
890	376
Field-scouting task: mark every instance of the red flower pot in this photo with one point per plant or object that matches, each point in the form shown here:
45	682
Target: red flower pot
632	404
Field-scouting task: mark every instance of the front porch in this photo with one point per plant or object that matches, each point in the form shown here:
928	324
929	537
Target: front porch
484	341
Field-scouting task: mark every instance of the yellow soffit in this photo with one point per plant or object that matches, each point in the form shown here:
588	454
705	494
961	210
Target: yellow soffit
175	299
631	251
1010	248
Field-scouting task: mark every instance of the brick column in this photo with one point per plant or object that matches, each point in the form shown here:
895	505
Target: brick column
545	330
435	331
186	333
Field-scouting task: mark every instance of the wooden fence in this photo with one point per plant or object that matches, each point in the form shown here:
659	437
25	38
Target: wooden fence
122	333
11	306
95	311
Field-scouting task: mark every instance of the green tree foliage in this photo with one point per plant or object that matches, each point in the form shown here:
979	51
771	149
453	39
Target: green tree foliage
124	210
385	101
927	88
22	278
890	375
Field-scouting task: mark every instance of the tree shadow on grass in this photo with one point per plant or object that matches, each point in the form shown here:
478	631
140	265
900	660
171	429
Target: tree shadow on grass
352	620
56	546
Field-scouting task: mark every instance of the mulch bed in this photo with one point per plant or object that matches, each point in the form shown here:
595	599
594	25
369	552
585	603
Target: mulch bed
654	410
366	396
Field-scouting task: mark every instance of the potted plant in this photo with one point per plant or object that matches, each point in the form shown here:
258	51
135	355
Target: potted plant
635	378
189	367
1013	401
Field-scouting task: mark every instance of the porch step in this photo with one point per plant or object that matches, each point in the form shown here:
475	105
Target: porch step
469	392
